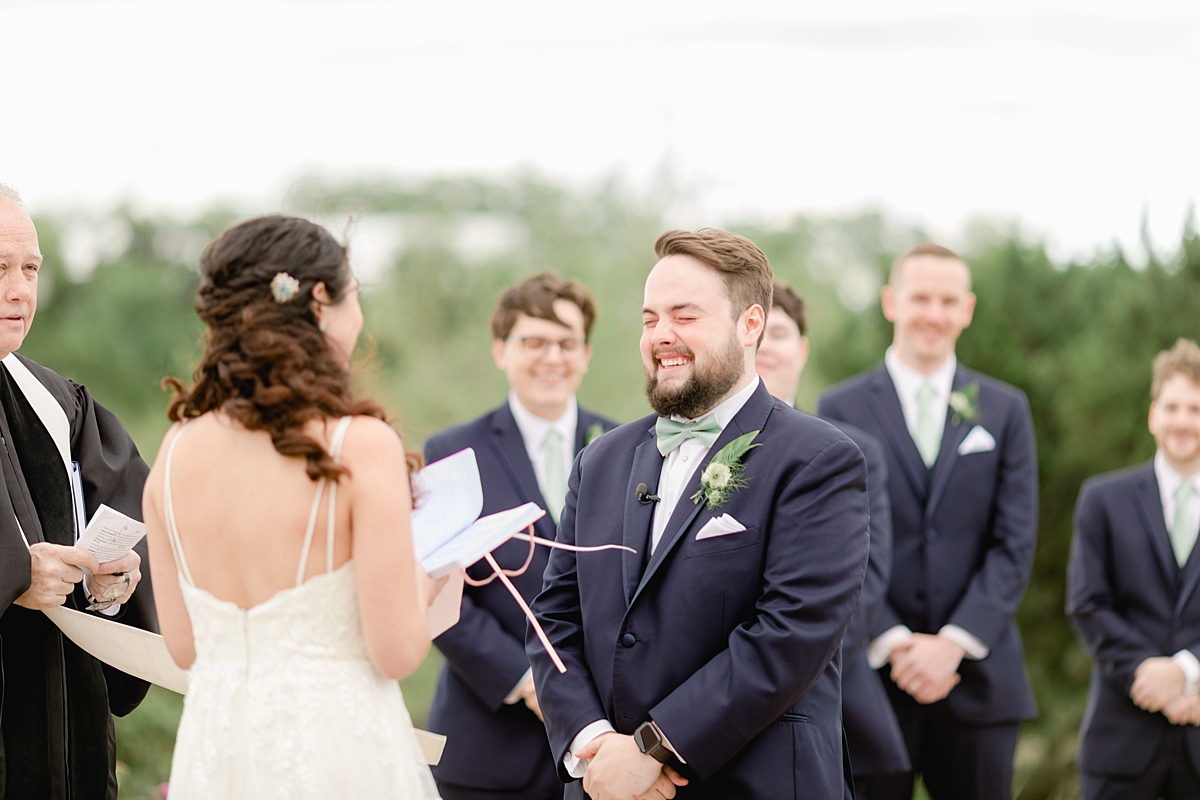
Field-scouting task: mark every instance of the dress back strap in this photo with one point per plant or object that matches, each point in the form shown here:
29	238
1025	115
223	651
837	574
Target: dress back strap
169	511
335	448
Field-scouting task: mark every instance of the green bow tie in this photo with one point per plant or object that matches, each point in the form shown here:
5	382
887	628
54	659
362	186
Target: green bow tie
671	434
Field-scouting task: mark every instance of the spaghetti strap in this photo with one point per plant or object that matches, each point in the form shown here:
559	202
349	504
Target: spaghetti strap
335	451
169	511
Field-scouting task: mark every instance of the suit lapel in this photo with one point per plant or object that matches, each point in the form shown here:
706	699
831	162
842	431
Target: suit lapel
1149	503
753	416
510	449
885	403
647	468
952	437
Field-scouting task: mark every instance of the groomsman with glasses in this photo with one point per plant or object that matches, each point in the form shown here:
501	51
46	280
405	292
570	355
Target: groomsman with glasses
1132	596
485	701
962	479
876	745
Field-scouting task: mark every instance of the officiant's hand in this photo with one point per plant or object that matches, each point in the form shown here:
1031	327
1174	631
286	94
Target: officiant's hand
926	666
619	770
54	569
109	577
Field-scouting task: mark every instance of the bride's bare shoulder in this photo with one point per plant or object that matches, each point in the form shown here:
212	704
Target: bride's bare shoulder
371	439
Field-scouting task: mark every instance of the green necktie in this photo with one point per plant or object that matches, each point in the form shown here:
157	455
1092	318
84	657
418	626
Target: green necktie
556	479
671	434
928	438
1183	529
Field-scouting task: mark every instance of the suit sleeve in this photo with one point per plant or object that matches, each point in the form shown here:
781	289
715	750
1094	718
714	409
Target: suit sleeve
813	573
113	473
996	588
879	562
1117	645
489	659
569	700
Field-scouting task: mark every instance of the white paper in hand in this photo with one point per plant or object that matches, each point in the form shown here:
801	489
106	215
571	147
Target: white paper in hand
111	534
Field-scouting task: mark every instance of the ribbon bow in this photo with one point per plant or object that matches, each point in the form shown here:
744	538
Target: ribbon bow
671	434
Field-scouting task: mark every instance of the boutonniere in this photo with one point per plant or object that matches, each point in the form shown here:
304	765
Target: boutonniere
965	404
723	475
594	432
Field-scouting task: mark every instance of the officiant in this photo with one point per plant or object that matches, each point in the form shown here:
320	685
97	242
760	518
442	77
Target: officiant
55	700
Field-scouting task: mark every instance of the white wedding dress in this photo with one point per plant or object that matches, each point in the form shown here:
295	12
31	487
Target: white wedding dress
283	701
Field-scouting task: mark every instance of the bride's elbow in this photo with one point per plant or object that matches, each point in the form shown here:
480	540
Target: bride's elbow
399	659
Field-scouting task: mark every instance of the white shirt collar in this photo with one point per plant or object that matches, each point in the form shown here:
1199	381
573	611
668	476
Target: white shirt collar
1170	478
729	408
909	381
534	428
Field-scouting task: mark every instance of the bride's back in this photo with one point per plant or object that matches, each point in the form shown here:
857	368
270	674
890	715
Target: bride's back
243	509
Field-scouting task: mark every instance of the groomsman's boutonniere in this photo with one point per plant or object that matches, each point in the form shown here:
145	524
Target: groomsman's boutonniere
594	432
965	404
723	475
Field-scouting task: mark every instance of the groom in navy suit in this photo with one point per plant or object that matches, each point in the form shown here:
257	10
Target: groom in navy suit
962	479
1132	596
707	662
485	701
876	745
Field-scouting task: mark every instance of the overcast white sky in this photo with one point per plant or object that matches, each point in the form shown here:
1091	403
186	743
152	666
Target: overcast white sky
1071	117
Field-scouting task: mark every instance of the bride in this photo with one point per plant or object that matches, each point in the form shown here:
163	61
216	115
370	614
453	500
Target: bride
282	558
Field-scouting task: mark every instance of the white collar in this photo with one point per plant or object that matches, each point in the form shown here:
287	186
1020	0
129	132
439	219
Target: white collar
534	428
729	408
1169	478
909	381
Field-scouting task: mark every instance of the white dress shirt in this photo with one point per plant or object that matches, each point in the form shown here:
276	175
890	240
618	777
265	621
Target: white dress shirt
677	470
1169	480
533	433
908	382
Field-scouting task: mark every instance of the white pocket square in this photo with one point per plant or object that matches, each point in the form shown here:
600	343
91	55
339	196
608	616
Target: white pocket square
977	441
720	526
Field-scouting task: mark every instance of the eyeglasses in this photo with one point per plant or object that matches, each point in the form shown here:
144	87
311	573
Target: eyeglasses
539	347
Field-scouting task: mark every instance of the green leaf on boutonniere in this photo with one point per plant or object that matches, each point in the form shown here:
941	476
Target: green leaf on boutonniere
964	404
594	432
723	474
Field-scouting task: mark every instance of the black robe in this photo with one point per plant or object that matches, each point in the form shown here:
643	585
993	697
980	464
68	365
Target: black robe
55	699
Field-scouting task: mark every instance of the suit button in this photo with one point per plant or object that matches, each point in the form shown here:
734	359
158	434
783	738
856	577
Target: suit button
931	535
629	640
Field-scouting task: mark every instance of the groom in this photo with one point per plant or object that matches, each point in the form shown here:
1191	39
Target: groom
710	658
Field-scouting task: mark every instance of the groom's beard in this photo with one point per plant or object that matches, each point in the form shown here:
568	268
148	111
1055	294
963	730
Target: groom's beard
704	388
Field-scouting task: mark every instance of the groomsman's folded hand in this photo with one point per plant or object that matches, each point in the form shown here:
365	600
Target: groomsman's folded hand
1157	682
619	770
926	666
1184	710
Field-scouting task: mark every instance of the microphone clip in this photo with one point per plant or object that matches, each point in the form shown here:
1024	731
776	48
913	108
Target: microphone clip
643	495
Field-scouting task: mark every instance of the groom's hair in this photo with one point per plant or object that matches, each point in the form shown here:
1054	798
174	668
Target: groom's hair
1182	359
535	296
743	267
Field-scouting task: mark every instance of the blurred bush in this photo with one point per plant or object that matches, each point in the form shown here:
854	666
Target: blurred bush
1077	337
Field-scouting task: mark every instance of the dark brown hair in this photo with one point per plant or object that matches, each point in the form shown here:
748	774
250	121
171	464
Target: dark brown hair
1182	359
266	363
743	267
534	297
786	300
924	249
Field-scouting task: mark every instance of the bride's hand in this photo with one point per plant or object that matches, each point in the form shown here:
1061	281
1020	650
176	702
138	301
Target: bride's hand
430	587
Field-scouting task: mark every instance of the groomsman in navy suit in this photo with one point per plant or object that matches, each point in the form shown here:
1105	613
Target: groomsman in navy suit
1132	596
962	480
876	744
707	662
485	701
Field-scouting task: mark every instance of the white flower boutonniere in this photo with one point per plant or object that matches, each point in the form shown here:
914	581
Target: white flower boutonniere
965	404
594	432
723	475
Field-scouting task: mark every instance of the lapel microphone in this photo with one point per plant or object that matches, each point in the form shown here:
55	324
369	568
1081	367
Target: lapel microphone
643	495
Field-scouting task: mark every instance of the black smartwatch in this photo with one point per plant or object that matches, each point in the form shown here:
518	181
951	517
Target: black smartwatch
650	741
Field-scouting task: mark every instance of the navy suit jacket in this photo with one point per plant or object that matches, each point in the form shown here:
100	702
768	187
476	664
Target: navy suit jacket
491	745
732	643
963	532
1129	601
872	732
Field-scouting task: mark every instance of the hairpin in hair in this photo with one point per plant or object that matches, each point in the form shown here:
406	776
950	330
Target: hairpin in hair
284	287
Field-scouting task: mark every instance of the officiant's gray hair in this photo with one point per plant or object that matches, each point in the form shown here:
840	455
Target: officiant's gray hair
11	195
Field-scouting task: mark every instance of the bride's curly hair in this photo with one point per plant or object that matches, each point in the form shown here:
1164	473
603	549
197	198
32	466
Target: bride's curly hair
266	363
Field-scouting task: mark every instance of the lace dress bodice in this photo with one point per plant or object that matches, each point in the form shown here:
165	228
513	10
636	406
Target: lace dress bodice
283	700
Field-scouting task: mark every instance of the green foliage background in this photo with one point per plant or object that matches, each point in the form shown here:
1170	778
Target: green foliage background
1077	337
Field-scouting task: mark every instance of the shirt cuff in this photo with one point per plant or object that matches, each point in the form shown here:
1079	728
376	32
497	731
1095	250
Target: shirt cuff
115	609
514	697
1191	671
882	645
576	767
976	649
